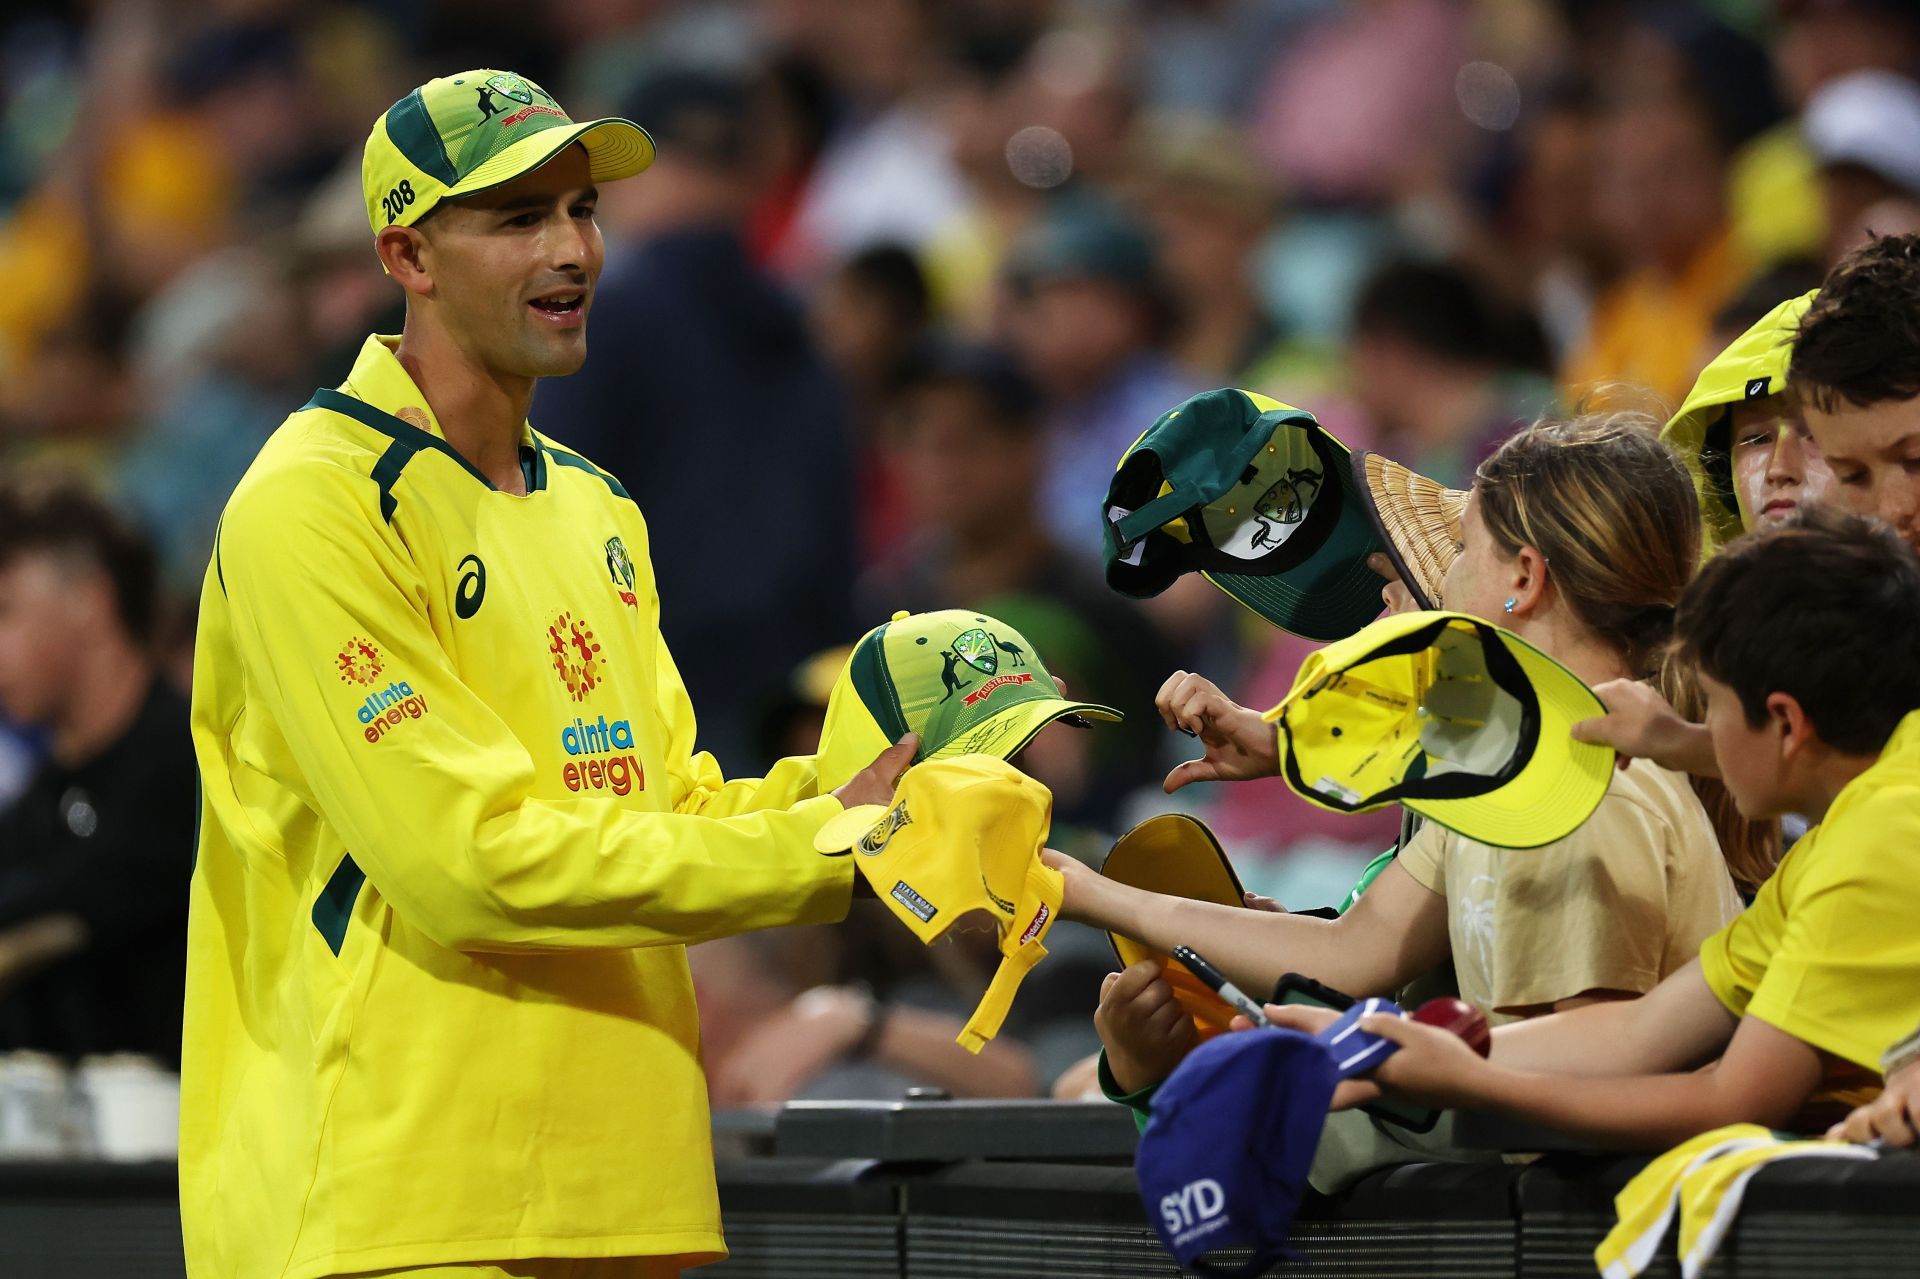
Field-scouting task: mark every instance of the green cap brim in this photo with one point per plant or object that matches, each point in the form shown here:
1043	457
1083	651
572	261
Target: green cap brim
1008	733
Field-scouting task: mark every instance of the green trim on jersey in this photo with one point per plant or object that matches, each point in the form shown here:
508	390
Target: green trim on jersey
335	903
579	463
416	440
387	470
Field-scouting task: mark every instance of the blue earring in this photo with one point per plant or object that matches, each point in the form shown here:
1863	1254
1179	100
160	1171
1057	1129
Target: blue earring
1510	603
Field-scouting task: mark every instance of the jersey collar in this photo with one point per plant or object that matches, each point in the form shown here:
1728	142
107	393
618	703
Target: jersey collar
380	380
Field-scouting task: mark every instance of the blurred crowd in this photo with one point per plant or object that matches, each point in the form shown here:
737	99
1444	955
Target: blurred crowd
905	280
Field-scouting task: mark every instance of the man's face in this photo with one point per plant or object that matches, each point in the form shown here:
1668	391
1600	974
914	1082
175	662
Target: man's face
513	269
1874	454
961	469
1749	757
1777	468
44	614
1073	334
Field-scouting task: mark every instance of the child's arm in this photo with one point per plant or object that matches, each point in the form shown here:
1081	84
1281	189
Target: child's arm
1396	931
1765	1077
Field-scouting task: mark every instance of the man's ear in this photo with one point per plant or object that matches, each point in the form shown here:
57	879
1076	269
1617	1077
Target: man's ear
1789	725
407	253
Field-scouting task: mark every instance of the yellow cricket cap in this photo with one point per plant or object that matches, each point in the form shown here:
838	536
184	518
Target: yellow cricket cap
1177	856
465	133
967	683
1753	367
1462	722
962	834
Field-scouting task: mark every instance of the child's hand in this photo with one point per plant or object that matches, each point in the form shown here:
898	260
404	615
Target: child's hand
1432	1066
1640	725
1893	1119
1146	1031
1239	744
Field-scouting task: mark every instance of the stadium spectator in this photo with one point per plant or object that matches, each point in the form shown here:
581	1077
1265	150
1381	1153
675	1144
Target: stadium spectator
1653	881
967	444
1445	368
1800	996
1856	368
867	318
696	344
1662	200
94	856
1088	323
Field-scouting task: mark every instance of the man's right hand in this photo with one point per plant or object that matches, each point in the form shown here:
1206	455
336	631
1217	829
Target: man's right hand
1239	744
1145	1030
876	783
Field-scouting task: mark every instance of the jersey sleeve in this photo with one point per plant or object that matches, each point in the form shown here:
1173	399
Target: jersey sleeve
441	816
695	777
1845	976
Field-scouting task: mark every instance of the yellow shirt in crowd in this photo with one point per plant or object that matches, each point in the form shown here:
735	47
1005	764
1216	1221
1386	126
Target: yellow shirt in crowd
454	836
1830	949
1624	900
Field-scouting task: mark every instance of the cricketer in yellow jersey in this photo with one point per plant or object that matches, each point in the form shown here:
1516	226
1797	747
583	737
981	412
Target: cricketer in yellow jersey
454	831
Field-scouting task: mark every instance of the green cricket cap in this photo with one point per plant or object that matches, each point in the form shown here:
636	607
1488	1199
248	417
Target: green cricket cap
1260	500
967	683
465	133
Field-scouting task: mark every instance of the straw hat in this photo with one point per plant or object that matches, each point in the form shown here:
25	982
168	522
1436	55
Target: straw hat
1417	518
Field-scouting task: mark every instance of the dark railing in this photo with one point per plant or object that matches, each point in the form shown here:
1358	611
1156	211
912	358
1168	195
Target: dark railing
992	1190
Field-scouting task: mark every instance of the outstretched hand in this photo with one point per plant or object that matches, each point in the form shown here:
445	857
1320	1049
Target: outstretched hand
1640	725
1239	743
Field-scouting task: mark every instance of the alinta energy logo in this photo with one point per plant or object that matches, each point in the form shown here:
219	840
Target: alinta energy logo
389	708
576	655
359	662
605	758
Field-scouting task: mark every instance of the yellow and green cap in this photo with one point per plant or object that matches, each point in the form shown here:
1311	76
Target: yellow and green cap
1259	499
465	133
1464	723
967	683
962	835
1176	855
1752	368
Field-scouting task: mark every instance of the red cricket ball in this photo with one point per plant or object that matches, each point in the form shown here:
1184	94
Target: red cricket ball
1463	1019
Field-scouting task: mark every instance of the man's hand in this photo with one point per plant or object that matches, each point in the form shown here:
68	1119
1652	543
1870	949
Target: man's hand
1640	725
1146	1031
876	783
783	1054
1892	1118
1239	744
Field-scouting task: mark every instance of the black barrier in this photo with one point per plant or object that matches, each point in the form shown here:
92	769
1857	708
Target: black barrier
966	1216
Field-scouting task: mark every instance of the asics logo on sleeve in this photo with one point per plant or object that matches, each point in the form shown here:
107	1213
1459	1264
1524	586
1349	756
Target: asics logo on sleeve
472	588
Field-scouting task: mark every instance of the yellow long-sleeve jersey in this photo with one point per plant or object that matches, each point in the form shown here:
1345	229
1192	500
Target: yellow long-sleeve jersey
454	837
